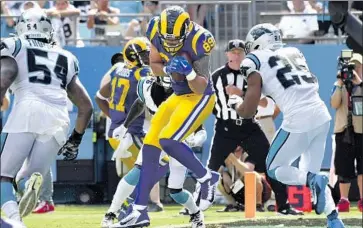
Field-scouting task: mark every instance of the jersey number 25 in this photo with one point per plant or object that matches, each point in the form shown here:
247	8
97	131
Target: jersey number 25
293	71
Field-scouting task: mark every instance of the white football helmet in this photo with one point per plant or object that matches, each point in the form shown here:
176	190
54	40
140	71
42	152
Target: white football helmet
263	36
34	24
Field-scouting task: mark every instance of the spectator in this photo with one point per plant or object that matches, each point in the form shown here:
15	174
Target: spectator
198	14
84	7
234	192
346	153
8	23
99	17
127	7
68	14
299	26
324	21
137	27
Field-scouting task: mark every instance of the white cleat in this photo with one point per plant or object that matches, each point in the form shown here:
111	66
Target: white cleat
108	220
197	220
10	223
31	194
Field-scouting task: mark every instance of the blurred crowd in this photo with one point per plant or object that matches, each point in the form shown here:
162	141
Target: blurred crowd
78	21
91	22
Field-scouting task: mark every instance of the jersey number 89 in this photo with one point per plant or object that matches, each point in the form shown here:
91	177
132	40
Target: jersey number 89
208	44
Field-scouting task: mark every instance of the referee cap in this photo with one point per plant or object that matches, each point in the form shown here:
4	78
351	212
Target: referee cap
235	44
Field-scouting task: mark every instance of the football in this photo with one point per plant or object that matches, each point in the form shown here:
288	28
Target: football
177	76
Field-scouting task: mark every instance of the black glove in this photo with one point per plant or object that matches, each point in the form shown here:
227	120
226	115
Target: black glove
70	149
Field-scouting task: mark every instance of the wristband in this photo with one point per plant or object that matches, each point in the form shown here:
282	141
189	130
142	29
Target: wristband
76	136
191	76
98	94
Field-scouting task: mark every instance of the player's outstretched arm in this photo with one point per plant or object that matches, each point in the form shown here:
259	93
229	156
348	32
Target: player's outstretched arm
79	96
199	83
137	108
9	71
247	109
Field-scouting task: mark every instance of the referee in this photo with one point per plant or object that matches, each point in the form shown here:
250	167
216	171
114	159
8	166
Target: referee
232	131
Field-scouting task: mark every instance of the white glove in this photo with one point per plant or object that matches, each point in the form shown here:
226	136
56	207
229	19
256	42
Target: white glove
234	101
190	140
122	149
199	138
119	132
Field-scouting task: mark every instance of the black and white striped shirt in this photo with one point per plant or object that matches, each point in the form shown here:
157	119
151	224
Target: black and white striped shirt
222	77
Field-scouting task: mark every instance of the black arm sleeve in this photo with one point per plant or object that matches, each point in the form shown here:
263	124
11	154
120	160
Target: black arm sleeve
137	108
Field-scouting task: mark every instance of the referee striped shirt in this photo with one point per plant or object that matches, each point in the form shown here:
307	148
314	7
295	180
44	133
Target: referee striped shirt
222	77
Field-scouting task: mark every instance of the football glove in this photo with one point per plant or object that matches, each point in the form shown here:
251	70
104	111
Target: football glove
122	149
70	149
179	65
234	101
119	132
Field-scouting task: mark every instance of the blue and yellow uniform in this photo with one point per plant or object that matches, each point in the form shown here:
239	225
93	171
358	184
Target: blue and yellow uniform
124	80
184	111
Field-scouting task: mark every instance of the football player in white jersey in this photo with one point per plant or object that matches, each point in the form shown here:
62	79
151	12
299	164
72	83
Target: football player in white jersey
283	74
40	75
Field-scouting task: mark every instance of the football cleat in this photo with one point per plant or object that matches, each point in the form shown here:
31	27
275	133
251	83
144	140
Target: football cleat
31	194
318	184
107	220
44	207
197	220
133	219
208	190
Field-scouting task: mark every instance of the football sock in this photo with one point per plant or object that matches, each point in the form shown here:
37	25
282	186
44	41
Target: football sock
150	166
185	198
8	201
125	188
184	155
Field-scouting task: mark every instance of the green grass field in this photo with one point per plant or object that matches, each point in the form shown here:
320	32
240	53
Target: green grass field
69	216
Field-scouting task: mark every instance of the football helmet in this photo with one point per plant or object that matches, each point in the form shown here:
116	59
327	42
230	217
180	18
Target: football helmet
174	26
34	24
137	51
263	36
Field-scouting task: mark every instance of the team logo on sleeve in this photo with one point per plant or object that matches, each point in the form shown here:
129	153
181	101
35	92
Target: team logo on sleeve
3	46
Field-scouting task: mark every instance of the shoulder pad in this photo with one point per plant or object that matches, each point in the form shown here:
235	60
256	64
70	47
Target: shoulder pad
152	28
203	43
144	87
250	64
10	47
143	72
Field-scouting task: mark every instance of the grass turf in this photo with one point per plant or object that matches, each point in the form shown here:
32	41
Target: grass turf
71	216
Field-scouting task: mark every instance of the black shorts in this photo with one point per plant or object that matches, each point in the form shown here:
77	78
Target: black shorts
346	155
225	140
249	136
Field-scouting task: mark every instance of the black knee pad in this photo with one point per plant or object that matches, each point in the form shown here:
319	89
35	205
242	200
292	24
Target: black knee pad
344	180
175	191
